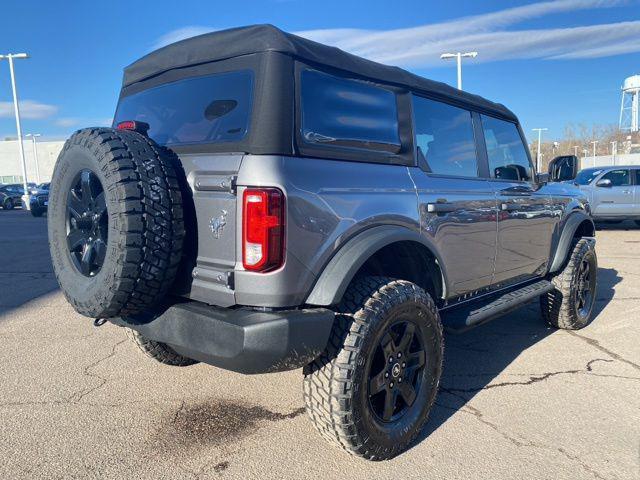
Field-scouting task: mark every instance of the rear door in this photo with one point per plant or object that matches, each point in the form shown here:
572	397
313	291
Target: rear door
616	200
525	218
457	205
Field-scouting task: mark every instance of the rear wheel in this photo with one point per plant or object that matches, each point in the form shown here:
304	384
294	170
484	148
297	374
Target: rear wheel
37	212
160	352
570	304
637	222
372	389
7	204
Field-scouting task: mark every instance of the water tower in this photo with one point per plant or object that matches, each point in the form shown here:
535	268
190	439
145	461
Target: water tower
629	112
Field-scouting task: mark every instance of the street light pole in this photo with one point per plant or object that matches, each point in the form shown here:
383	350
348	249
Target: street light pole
595	142
458	56
539	130
614	150
575	150
16	108
35	154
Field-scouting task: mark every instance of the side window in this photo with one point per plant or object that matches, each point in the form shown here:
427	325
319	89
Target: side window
618	178
444	137
507	154
348	113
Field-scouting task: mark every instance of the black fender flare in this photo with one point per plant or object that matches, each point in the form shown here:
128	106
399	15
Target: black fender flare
338	273
574	220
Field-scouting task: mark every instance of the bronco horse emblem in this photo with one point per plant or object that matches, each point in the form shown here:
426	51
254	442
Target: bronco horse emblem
217	224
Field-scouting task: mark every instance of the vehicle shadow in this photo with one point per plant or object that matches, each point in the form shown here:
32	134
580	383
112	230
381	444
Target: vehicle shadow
620	225
475	358
26	272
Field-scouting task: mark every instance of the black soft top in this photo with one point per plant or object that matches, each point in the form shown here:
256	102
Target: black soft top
237	42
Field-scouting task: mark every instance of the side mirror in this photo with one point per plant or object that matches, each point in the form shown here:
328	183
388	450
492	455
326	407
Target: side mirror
543	178
563	168
605	182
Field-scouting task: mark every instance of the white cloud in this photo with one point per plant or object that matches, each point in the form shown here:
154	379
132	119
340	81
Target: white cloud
421	46
180	34
66	122
29	109
75	122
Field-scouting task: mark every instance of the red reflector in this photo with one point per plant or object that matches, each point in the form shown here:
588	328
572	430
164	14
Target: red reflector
139	127
263	222
127	125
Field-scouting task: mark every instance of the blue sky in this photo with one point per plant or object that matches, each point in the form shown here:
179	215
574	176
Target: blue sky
576	52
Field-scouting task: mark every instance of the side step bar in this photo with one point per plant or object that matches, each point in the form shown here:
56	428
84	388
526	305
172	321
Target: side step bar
460	319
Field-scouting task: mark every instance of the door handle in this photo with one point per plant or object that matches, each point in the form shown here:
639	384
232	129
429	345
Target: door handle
509	207
441	207
626	191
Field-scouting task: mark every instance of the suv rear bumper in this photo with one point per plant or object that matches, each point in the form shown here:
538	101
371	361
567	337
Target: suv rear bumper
242	340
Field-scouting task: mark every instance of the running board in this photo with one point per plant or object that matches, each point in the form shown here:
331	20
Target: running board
460	319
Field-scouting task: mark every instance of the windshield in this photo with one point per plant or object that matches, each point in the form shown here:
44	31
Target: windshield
585	177
210	109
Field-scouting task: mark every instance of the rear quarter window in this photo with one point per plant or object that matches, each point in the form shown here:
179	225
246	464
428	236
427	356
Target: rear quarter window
208	109
348	113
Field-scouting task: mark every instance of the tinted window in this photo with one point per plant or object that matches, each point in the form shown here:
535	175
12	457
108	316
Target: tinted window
210	109
508	159
444	136
349	113
618	177
585	177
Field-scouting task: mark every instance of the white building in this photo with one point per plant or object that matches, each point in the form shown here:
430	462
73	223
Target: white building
10	168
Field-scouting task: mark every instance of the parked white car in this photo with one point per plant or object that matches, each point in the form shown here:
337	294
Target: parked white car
614	192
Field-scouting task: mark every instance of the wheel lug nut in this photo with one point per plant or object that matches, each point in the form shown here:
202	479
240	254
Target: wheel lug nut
404	364
390	359
386	375
399	354
399	379
391	384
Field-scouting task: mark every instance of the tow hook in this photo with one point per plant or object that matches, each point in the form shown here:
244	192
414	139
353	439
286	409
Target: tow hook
98	322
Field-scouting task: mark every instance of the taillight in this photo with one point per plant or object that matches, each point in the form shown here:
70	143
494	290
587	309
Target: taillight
140	127
263	229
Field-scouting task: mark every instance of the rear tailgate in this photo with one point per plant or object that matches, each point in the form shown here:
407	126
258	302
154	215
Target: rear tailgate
212	214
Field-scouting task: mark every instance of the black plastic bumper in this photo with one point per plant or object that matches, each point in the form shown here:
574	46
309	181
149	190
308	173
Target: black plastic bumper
246	341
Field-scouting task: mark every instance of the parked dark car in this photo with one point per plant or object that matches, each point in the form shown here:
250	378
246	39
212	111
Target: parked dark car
39	199
265	203
11	196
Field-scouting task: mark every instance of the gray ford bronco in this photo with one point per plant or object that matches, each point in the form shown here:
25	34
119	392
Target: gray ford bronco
264	202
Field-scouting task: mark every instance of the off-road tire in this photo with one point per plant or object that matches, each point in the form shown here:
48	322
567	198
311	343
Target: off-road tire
559	308
160	352
145	222
336	384
8	204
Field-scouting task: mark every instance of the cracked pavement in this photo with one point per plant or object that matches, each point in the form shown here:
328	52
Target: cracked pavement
517	399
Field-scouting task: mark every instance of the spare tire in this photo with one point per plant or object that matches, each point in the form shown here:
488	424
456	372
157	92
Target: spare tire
115	222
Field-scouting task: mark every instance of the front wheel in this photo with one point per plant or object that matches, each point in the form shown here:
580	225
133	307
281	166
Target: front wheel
570	305
8	204
371	391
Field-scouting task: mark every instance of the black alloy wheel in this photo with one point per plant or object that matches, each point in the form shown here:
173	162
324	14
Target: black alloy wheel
87	223
395	372
585	287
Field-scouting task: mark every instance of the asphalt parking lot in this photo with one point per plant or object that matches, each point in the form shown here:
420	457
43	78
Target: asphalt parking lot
518	400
